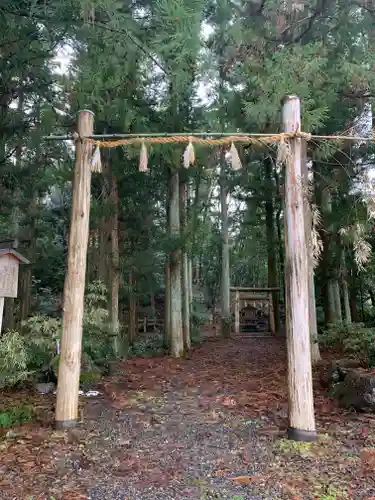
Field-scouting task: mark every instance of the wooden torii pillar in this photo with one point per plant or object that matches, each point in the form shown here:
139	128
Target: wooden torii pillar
66	414
300	389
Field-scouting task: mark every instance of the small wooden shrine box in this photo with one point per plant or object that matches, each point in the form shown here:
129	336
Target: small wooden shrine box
9	264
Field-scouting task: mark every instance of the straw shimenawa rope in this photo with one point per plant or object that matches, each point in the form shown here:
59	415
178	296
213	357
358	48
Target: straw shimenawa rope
246	139
228	139
189	155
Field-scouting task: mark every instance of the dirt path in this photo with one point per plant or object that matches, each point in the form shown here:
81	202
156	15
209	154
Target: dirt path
206	427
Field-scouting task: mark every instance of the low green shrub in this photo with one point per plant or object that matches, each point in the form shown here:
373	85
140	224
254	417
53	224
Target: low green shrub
34	352
14	359
88	379
197	319
97	339
352	338
15	416
41	334
148	345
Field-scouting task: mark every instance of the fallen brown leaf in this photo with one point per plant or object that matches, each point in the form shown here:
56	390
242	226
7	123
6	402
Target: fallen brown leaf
242	479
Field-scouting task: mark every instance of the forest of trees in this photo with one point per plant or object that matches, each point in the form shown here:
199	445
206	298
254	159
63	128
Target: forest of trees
181	66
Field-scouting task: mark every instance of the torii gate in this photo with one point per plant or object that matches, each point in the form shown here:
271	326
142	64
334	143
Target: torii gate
301	404
248	294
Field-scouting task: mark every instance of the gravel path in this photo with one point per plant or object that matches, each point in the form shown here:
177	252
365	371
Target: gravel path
208	427
173	449
180	436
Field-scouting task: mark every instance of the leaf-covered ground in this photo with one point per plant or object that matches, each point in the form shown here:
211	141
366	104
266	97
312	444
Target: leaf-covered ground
210	426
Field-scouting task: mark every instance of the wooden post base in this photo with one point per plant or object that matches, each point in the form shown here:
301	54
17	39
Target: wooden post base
1	311
301	435
62	425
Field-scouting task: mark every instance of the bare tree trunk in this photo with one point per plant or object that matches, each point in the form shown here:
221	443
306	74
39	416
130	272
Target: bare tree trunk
9	304
153	308
345	288
315	352
190	270
185	273
29	250
337	300
132	321
103	270
237	311
24	293
104	231
361	299
9	320
167	274
115	268
167	305
271	243
353	305
329	288
353	291
226	321
347	311
186	303
177	339
331	302
26	276
28	245
279	237
189	219
109	253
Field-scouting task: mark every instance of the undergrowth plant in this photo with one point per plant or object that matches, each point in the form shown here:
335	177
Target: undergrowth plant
352	338
35	350
15	416
148	345
286	446
197	319
97	342
13	359
41	334
329	492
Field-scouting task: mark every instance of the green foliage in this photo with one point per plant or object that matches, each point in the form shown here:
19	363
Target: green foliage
97	342
215	495
198	318
89	378
329	492
353	338
13	359
42	332
210	240
15	416
34	351
226	326
148	345
40	335
301	72
95	295
287	446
